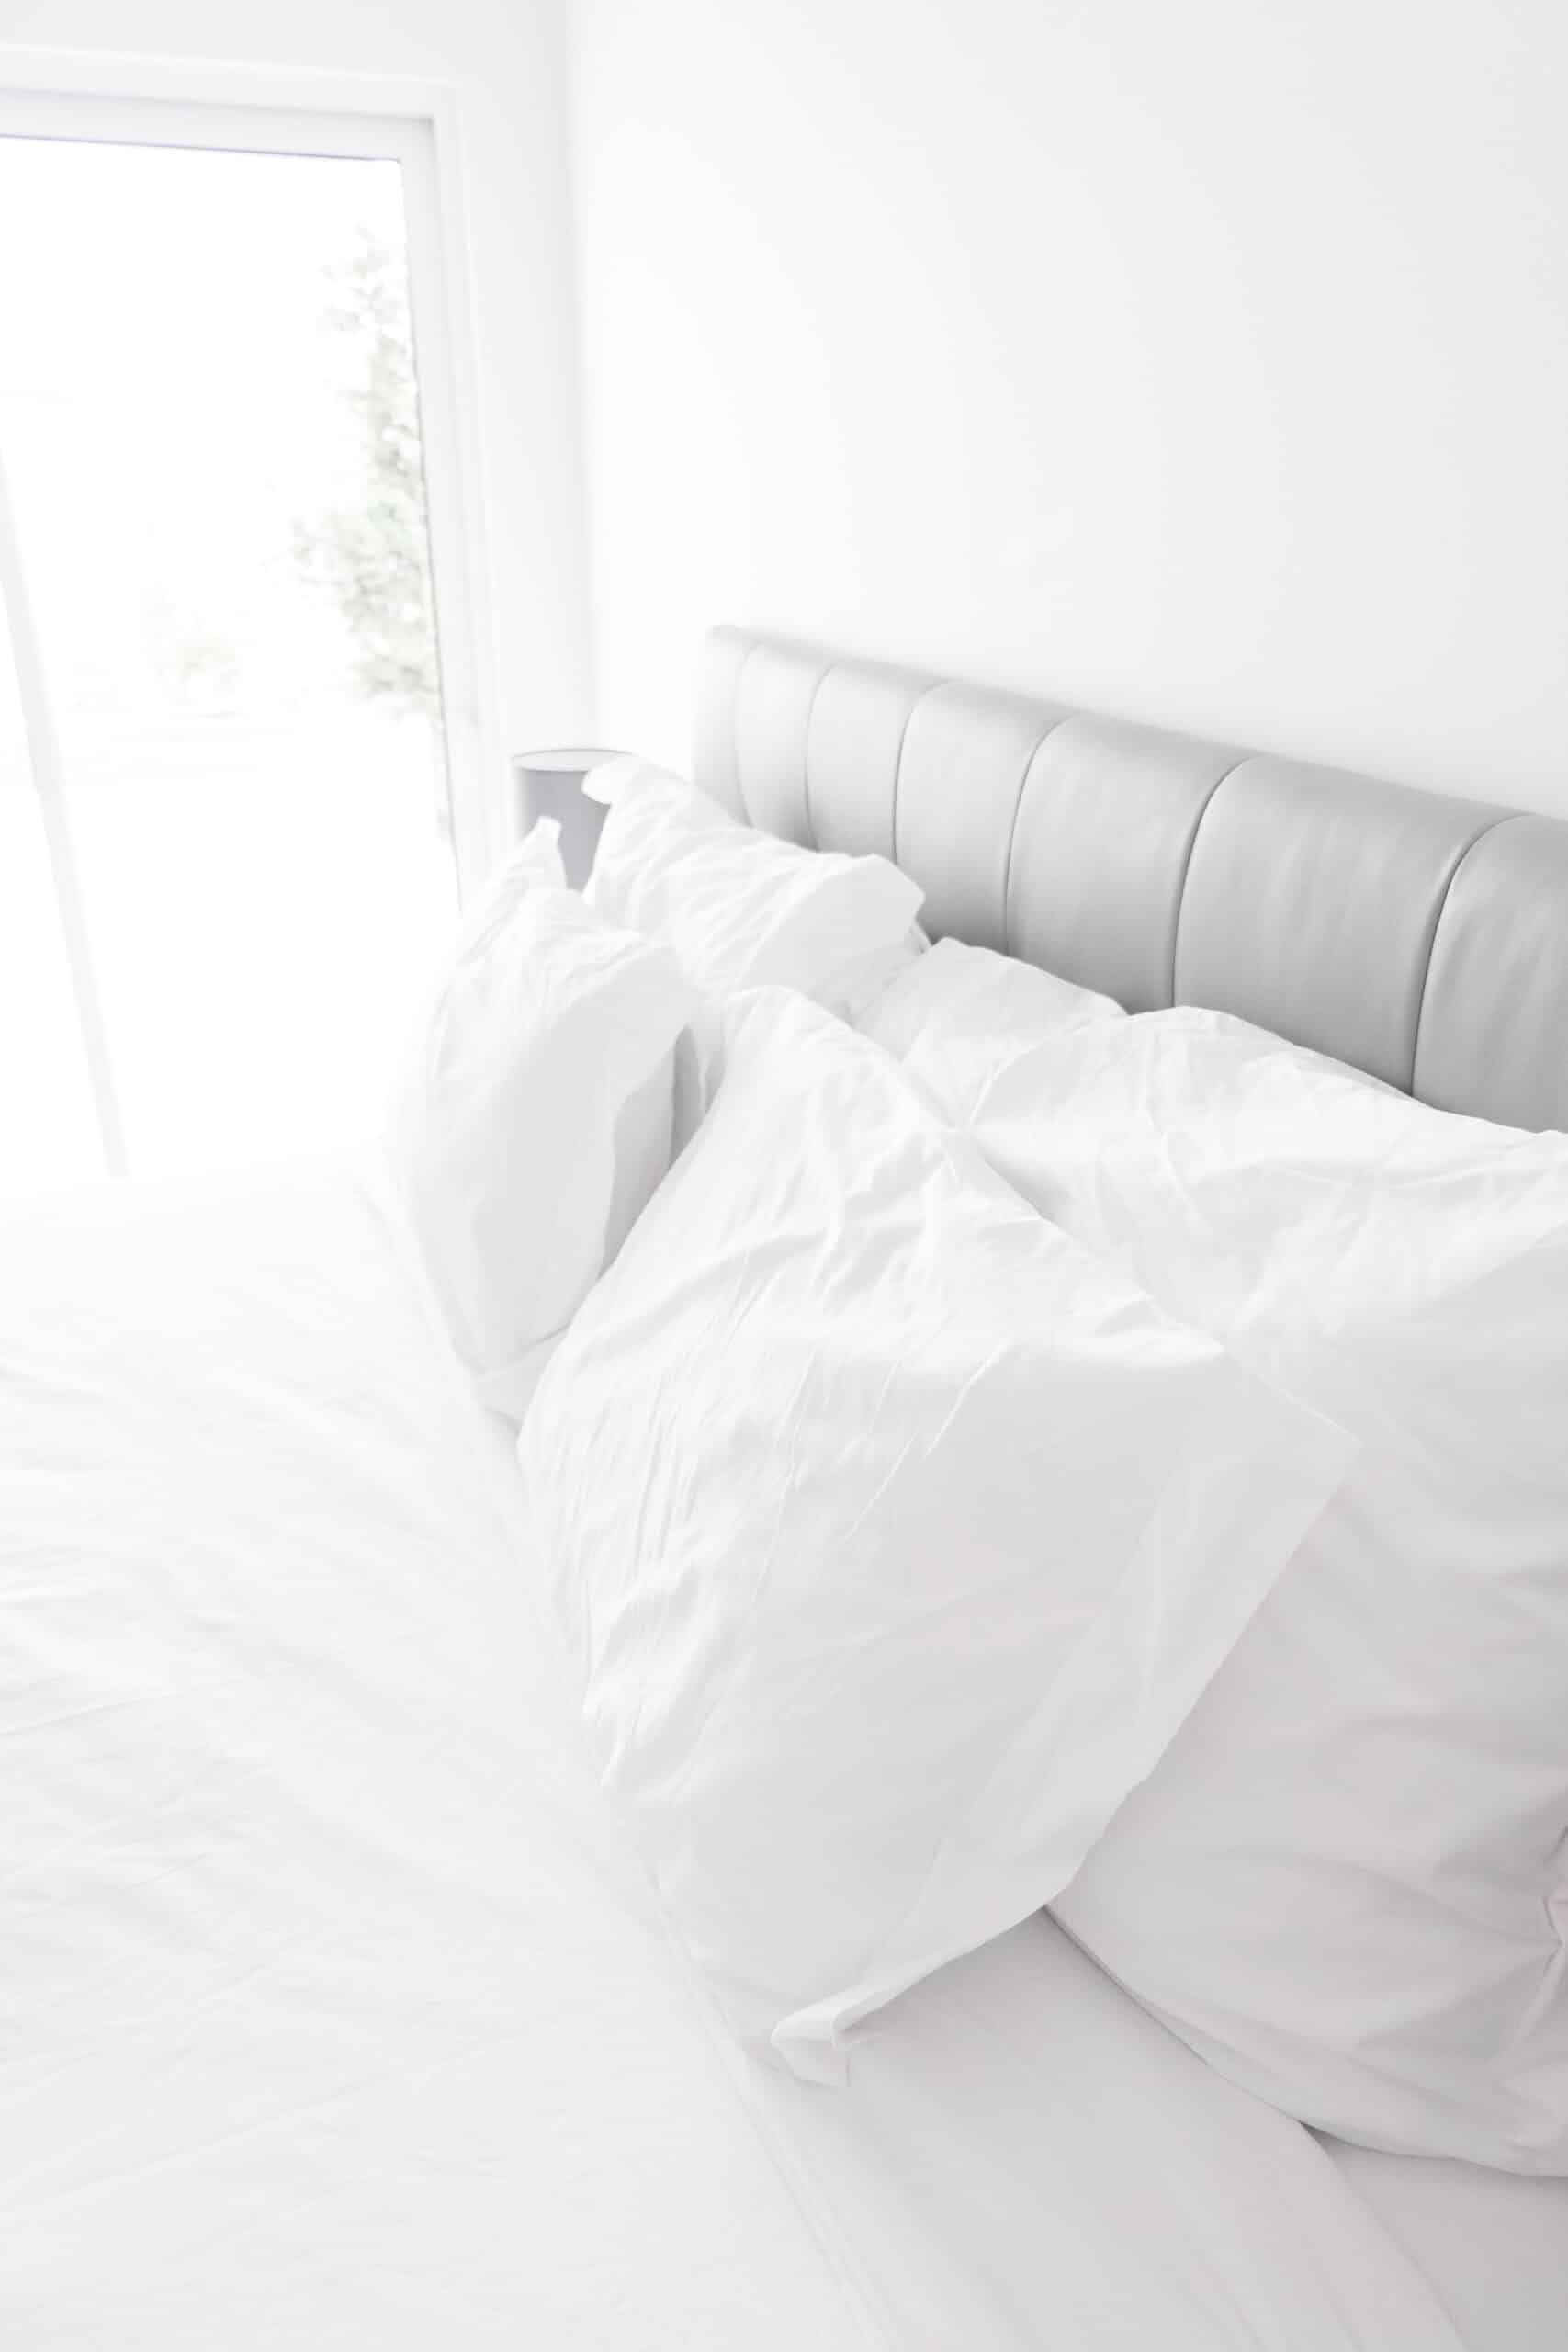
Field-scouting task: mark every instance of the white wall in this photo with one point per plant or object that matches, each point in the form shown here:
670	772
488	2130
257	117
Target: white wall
1207	363
506	60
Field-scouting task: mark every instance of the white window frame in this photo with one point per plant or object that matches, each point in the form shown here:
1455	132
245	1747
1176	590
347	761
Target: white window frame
143	101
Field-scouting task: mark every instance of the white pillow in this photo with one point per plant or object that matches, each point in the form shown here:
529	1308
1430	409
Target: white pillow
893	1536
1347	1885
533	863
972	1013
740	908
651	802
535	1118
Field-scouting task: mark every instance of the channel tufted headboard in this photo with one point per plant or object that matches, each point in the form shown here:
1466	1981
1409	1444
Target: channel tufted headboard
1422	938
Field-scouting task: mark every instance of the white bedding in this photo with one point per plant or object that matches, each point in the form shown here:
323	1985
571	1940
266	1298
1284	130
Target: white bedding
334	2011
1494	2246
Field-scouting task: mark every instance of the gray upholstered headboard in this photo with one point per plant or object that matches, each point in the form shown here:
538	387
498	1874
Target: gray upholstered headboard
1421	938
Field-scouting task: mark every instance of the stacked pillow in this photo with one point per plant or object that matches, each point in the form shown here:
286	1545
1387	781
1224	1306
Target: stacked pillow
1347	1882
890	1534
572	1047
932	1546
892	1537
982	1012
536	1116
740	908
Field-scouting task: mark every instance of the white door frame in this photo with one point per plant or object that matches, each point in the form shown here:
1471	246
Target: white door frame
49	790
145	101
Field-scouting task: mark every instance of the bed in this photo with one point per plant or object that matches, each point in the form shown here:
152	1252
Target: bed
336	2010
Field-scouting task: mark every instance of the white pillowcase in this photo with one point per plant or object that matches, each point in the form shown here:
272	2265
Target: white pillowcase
1347	1885
974	1012
533	863
893	1536
535	1118
651	802
740	908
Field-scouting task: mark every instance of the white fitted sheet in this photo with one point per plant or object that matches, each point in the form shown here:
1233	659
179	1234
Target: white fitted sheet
1492	2245
335	2011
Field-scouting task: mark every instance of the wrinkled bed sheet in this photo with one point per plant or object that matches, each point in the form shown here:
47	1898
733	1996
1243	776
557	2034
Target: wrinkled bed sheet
333	2008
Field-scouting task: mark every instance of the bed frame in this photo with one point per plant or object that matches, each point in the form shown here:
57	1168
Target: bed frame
1422	938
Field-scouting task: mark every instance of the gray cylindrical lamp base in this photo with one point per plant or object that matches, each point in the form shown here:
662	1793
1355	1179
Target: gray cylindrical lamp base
549	784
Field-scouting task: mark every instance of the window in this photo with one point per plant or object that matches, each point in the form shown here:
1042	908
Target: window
243	755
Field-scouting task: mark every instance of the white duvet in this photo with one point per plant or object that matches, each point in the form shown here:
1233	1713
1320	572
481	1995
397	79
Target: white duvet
334	2013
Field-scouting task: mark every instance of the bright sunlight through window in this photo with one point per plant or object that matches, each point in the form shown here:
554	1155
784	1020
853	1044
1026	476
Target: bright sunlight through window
209	425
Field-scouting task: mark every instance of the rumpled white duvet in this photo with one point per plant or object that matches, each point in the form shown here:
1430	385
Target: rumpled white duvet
334	2011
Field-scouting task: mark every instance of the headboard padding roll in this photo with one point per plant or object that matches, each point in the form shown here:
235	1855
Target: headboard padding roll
1420	937
1493	1033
